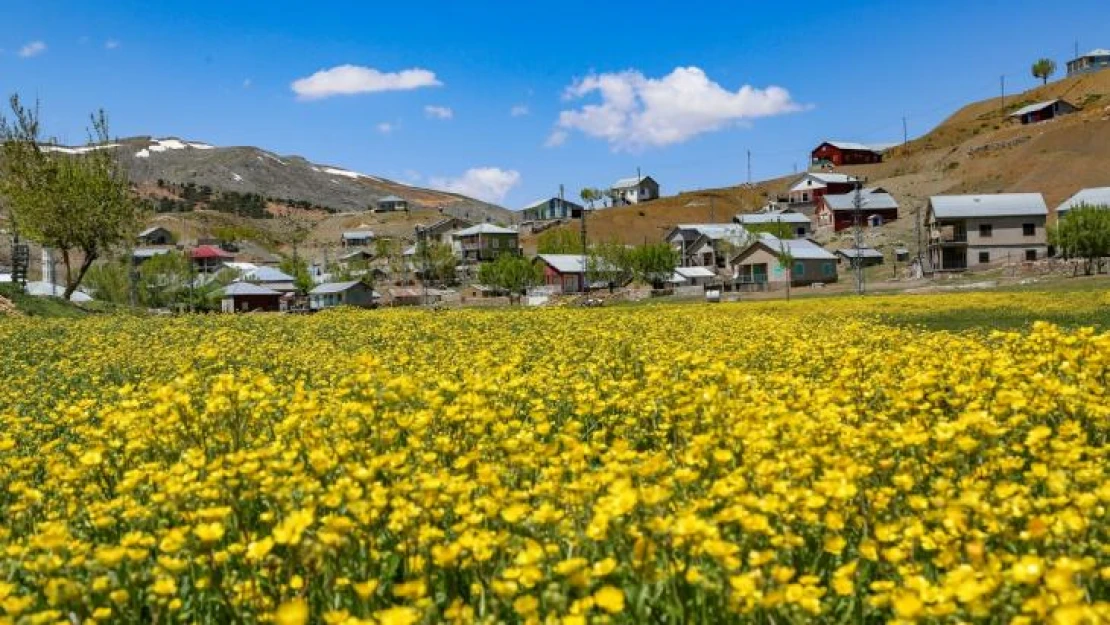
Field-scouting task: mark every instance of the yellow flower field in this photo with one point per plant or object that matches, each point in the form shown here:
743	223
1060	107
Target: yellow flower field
737	463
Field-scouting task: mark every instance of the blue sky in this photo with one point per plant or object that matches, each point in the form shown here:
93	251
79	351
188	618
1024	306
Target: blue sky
525	96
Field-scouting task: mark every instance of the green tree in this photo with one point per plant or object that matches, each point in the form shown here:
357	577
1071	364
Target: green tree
1043	69
164	280
440	261
654	263
511	273
298	268
110	281
591	196
776	228
610	262
81	205
786	261
558	241
1084	233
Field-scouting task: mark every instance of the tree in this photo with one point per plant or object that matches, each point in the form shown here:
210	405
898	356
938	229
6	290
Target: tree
110	282
591	195
514	274
558	241
165	279
786	261
1043	68
80	204
654	263
1083	233
298	268
439	261
610	262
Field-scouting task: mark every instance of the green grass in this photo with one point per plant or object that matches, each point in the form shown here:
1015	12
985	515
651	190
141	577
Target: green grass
40	306
970	319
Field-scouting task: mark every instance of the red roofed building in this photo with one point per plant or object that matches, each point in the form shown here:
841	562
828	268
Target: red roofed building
209	258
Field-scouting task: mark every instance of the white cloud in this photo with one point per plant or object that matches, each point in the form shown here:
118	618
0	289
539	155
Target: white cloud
385	128
33	48
485	183
555	139
439	112
111	44
519	110
636	112
353	79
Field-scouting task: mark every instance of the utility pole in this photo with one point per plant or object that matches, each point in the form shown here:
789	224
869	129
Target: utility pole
857	204
1002	81
749	168
584	248
712	211
905	132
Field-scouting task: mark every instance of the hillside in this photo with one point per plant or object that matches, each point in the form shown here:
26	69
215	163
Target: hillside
975	150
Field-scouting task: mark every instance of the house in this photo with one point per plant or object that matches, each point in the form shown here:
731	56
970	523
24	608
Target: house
839	153
634	190
247	297
269	277
403	296
839	211
357	238
481	291
1096	196
209	258
967	231
331	294
706	245
693	276
486	242
391	203
868	256
1043	111
799	224
564	272
760	265
156	235
358	257
551	208
1093	61
804	196
142	254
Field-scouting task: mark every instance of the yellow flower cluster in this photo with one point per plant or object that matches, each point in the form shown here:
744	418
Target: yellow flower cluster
736	463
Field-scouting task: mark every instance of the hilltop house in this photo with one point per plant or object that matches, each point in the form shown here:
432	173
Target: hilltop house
391	203
443	231
760	265
634	190
848	153
868	256
551	208
804	196
361	237
1043	111
1095	196
1093	61
353	293
799	224
706	245
839	211
486	242
156	235
968	231
209	258
247	297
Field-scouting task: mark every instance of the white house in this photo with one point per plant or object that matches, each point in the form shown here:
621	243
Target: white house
634	190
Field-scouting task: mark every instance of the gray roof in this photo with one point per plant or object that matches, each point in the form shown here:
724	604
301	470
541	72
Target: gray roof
1097	196
800	249
988	205
871	201
1032	108
151	230
628	183
869	147
358	234
334	287
246	288
716	232
150	252
863	252
563	263
391	198
483	229
770	218
267	274
694	272
538	203
1096	52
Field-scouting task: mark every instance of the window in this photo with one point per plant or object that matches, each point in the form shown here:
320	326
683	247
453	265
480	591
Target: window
800	232
805	197
984	258
799	269
496	243
828	269
1030	255
1029	230
985	231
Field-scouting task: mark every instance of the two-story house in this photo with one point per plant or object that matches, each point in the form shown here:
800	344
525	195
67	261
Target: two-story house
1093	61
974	231
551	208
707	245
634	190
486	242
807	192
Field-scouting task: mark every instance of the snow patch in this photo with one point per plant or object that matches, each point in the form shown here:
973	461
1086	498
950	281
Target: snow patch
201	146
85	149
143	153
236	177
343	172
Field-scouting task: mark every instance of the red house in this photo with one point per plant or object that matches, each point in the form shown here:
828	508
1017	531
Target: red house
209	258
839	211
847	153
562	271
806	194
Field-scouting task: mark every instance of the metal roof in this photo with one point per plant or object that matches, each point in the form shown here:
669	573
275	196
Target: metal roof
358	234
151	230
771	218
391	198
800	249
863	252
1096	196
628	183
871	201
716	232
563	263
867	147
694	272
1096	52
820	179
483	229
333	287
539	203
209	251
267	274
246	288
1032	108
987	205
149	252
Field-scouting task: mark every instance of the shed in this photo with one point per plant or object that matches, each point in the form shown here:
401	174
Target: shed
1095	196
357	238
693	276
247	297
869	256
392	203
351	293
156	235
1043	111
